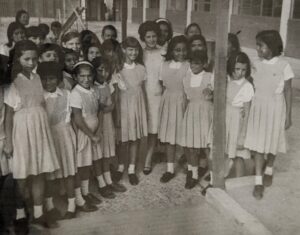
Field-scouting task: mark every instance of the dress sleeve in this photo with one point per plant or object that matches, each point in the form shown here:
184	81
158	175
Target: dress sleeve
244	95
75	100
12	97
288	72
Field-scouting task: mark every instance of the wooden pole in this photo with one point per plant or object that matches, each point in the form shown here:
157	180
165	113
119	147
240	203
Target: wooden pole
218	148
124	18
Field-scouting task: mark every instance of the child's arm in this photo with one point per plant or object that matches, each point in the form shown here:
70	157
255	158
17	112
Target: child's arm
117	109
288	99
8	125
243	125
78	119
100	127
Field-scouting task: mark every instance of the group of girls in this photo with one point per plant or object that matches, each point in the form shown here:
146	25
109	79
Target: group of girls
76	109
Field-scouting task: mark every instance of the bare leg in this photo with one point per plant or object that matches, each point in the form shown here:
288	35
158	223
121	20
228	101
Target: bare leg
152	141
239	167
259	164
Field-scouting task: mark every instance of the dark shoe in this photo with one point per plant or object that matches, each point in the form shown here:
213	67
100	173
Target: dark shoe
268	180
207	178
258	191
192	183
45	222
91	199
117	176
106	192
21	226
202	171
147	170
69	215
87	207
53	215
133	179
182	160
188	179
166	177
204	190
118	188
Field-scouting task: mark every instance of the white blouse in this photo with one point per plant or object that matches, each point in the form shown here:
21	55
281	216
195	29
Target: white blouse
244	95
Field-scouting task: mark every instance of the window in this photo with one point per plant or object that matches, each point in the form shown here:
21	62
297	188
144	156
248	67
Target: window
202	5
179	5
296	13
137	4
153	3
271	8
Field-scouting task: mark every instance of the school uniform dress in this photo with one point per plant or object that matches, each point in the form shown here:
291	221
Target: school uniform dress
59	114
238	92
153	60
198	116
266	125
108	130
4	162
68	82
173	102
88	102
33	146
132	103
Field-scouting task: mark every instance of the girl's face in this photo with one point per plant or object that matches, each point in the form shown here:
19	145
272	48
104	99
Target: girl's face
197	45
263	50
73	44
28	60
49	56
102	74
151	39
85	77
70	61
18	35
180	52
93	53
131	54
164	33
108	53
193	31
108	34
196	67
239	71
24	19
50	83
37	40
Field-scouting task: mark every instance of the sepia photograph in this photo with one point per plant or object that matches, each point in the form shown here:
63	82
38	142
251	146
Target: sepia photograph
149	117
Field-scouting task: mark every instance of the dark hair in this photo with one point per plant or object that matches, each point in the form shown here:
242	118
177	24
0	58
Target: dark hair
33	31
12	27
44	29
197	37
77	69
19	13
133	42
174	41
272	39
56	24
45	69
70	35
87	48
51	47
197	56
163	21
98	61
5	70
114	46
146	27
87	37
110	27
192	25
239	57
234	40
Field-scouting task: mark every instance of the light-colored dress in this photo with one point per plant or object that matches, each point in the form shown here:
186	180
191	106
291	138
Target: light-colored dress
266	125
5	50
132	103
153	61
88	102
173	102
198	116
108	130
238	92
4	162
59	113
68	82
33	146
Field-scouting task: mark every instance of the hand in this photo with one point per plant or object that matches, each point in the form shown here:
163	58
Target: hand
243	113
288	123
8	148
208	93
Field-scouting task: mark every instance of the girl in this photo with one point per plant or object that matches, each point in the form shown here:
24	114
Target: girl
103	77
15	33
192	29
91	52
238	98
70	59
88	38
109	32
132	104
173	100
233	44
34	33
71	40
84	101
111	50
22	17
35	155
166	33
153	60
50	52
198	115
270	108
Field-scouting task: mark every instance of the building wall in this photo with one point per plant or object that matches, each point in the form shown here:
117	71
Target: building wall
178	19
207	23
293	39
137	15
152	13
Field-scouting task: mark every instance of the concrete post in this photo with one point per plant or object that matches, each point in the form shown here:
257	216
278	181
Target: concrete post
189	12
285	16
129	11
163	8
145	6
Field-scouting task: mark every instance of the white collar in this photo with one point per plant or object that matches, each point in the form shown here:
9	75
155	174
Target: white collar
129	66
175	65
271	61
32	76
199	75
103	85
239	82
80	88
56	93
66	74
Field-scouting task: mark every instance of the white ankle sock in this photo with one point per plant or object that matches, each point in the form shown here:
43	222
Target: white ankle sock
269	170
85	187
170	167
71	205
78	197
49	203
121	168
258	180
189	167
195	172
101	181
131	169
107	177
20	214
37	211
